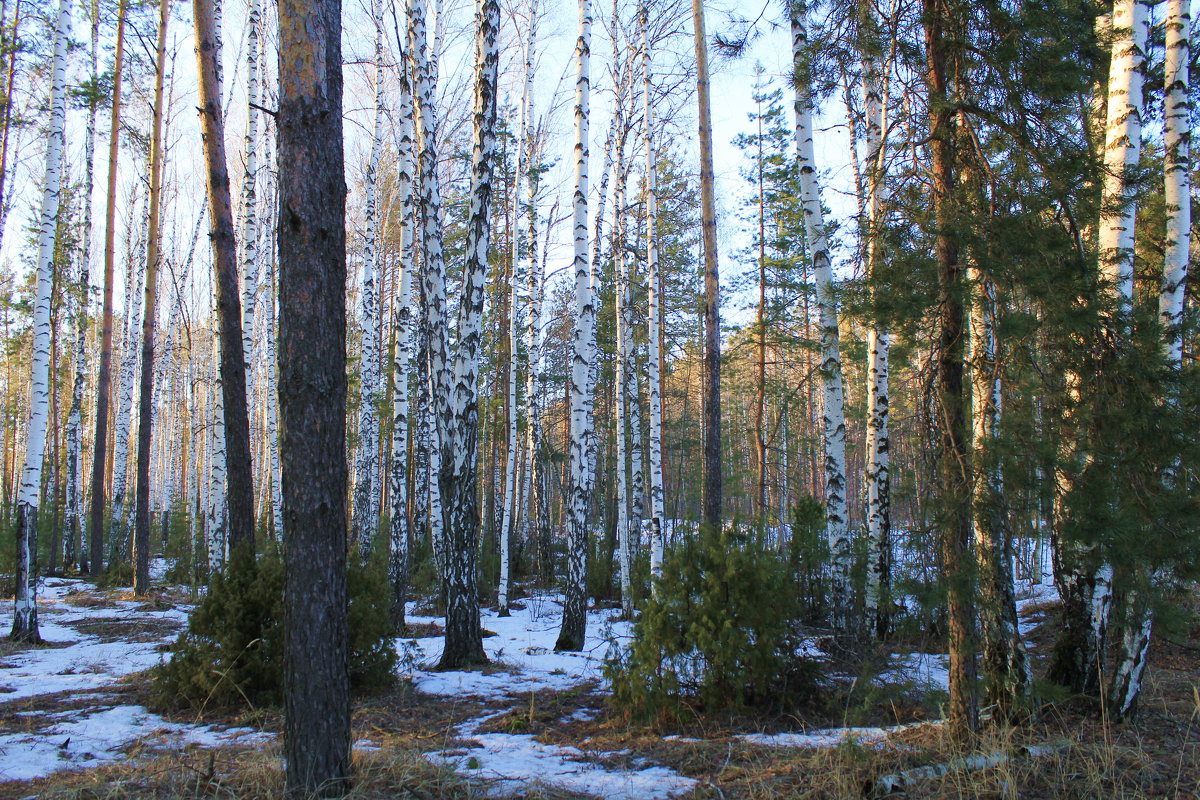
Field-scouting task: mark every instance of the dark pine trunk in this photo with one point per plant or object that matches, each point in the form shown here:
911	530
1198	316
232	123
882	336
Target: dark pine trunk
312	398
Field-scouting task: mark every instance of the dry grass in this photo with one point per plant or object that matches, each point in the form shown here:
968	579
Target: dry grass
244	774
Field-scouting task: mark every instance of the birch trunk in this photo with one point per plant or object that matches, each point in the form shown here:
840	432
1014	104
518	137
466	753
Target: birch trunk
574	623
140	557
1177	169
133	299
366	511
406	159
654	361
76	527
1085	585
510	481
25	621
249	240
622	318
434	276
833	418
1138	619
876	95
464	643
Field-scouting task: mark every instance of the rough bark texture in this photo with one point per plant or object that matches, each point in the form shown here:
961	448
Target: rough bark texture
312	397
460	502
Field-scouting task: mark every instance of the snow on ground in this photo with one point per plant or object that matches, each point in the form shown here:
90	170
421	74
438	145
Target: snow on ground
830	737
79	662
92	737
511	762
522	652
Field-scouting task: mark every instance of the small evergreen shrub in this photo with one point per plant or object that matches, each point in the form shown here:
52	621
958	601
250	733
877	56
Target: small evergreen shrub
232	651
718	632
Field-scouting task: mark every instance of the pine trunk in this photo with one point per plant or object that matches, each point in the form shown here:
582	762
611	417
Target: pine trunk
711	512
312	353
104	380
140	557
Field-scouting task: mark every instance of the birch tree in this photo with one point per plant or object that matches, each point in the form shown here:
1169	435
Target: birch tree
464	643
876	97
25	620
833	415
1138	617
76	553
510	478
366	484
436	413
406	161
574	622
654	362
1085	579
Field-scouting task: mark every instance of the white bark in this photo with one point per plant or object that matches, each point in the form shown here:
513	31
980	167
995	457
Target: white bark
25	623
654	361
875	96
1122	147
574	610
1139	616
434	277
406	160
622	318
249	241
1177	168
510	478
366	484
125	384
216	527
75	518
833	415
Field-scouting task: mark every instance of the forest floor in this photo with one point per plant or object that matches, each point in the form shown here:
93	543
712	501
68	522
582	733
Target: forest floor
74	722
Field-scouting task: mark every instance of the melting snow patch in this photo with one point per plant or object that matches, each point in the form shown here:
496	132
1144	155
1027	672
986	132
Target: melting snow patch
512	761
105	735
830	737
523	646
